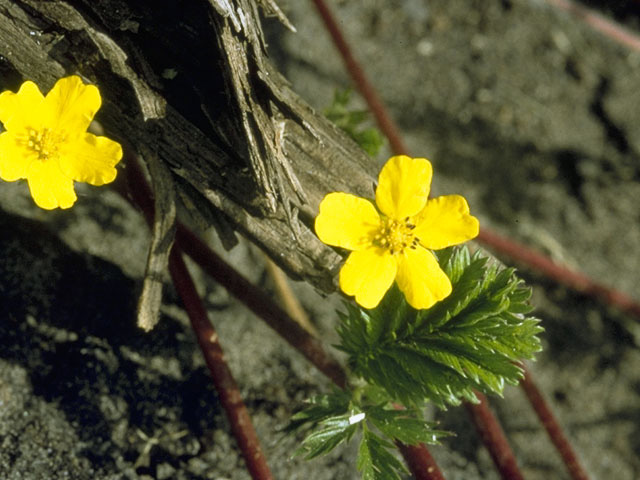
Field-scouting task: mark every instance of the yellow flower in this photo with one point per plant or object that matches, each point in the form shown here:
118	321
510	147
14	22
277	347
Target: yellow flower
395	244
46	141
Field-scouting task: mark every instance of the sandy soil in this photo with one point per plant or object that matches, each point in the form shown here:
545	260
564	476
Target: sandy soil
524	110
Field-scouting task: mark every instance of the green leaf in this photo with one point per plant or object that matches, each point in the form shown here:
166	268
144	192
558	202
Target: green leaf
332	432
390	317
471	340
370	139
437	382
385	371
405	426
321	407
351	121
375	462
334	419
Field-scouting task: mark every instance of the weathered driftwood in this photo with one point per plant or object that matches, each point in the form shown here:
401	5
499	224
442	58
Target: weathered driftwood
242	146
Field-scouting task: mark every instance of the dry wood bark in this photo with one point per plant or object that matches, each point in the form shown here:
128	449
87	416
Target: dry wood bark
243	148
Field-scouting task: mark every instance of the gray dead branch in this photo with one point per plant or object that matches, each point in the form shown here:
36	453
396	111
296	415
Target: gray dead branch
162	237
243	149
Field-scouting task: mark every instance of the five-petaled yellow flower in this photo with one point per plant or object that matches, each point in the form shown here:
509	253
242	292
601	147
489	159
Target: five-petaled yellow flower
46	141
395	244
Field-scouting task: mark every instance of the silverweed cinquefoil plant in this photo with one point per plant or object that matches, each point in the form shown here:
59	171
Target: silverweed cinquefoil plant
46	141
395	241
431	323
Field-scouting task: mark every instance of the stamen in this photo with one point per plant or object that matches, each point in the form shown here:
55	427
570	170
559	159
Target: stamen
395	236
43	143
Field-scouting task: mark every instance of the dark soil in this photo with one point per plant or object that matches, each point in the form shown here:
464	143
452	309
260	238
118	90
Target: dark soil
521	108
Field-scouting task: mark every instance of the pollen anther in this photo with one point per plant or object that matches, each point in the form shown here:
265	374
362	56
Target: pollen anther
42	142
396	235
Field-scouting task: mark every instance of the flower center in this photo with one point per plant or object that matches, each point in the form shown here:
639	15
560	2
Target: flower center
44	143
396	235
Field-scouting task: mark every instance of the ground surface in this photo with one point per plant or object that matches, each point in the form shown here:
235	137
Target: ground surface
524	110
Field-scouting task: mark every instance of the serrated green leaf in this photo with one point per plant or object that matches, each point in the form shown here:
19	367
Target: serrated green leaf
384	371
353	329
433	381
320	408
468	275
375	395
391	317
375	462
469	341
521	295
332	432
404	426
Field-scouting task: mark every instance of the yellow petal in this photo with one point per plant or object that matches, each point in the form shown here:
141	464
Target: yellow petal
14	158
22	109
90	159
71	105
346	221
403	186
421	279
50	188
368	274
445	221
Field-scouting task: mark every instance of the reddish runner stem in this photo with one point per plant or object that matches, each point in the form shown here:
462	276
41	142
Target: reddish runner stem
227	389
386	124
494	438
552	427
261	304
563	276
599	23
420	462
